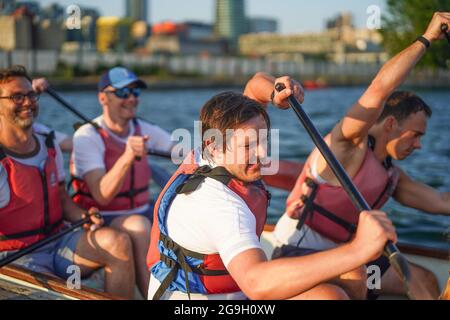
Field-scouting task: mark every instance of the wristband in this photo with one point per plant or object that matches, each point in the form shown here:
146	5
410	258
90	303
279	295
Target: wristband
424	40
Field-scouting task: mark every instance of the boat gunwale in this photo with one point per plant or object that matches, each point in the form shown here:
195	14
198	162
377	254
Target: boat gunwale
55	284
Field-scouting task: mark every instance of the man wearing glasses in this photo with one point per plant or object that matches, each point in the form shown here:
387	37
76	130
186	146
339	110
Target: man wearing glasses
34	203
110	166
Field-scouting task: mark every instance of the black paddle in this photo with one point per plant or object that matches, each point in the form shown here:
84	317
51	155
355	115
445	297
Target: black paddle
396	259
68	106
444	28
47	240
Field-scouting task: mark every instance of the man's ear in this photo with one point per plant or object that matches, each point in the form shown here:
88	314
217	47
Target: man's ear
102	98
210	146
390	124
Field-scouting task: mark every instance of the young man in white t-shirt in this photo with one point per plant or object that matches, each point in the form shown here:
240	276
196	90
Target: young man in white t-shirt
110	165
208	219
34	203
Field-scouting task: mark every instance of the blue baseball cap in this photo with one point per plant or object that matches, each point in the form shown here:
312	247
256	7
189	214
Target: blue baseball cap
119	78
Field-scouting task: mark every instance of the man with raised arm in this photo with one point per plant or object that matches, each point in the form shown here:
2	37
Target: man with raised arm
381	126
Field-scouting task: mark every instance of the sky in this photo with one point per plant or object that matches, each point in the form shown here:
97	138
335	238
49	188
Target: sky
293	15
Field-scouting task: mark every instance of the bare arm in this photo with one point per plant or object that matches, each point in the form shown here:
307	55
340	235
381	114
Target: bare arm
285	278
417	195
73	213
363	114
104	186
348	139
261	86
66	145
288	277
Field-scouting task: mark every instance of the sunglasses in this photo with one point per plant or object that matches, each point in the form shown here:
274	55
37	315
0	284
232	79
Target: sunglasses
124	93
19	98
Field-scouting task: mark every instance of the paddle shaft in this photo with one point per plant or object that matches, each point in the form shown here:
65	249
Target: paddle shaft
158	153
444	28
390	250
67	105
44	242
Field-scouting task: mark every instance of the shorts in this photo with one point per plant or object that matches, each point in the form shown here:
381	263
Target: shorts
54	258
293	251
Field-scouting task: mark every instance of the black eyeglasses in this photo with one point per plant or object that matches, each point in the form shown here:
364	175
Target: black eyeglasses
19	98
124	93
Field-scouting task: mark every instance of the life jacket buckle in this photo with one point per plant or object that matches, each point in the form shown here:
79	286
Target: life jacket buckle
310	182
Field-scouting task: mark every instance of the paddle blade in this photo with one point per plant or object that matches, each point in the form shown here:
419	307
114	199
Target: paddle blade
400	265
286	176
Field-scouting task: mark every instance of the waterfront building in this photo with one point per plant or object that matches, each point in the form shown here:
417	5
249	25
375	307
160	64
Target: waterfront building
137	10
341	42
230	21
260	24
113	34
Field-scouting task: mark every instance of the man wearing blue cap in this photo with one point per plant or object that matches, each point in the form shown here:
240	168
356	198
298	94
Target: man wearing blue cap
110	167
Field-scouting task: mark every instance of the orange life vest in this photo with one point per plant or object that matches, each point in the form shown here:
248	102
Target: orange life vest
134	192
328	209
34	209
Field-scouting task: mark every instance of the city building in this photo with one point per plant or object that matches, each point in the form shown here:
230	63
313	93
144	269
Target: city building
137	10
26	29
199	30
16	33
7	7
188	38
259	24
32	7
113	34
230	21
86	36
340	43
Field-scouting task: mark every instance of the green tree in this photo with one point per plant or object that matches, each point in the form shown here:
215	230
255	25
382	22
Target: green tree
406	20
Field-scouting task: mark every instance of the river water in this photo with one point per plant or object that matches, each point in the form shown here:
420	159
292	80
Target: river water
173	109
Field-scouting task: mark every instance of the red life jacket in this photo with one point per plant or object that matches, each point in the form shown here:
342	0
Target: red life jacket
179	269
328	209
134	192
34	209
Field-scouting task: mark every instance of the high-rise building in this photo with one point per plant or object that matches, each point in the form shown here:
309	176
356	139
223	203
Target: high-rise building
7	6
114	34
231	21
137	10
258	25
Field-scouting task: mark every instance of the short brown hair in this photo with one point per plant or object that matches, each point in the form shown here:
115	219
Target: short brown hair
229	110
13	72
401	104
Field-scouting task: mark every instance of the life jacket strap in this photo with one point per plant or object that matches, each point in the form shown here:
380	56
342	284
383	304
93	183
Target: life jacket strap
193	182
308	209
44	230
181	263
127	194
2	154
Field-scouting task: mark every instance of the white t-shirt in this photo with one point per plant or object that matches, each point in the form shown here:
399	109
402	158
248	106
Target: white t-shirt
59	136
89	150
286	233
37	160
213	219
